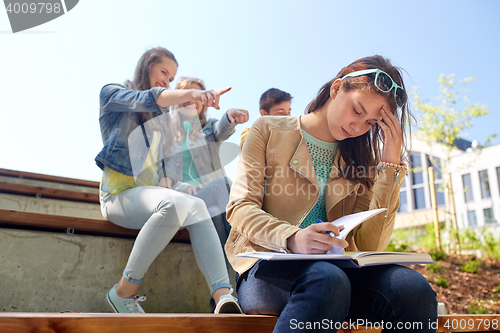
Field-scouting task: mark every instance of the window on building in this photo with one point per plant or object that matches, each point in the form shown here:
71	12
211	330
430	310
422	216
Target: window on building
417	181
471	216
403	202
439	195
416	165
485	184
419	198
467	184
498	176
435	162
488	215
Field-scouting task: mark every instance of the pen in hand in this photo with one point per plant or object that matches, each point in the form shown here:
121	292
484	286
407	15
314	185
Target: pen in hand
329	233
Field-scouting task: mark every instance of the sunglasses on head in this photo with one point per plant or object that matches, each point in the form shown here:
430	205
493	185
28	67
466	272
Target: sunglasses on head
384	83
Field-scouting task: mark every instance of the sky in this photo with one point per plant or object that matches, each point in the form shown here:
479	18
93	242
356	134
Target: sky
51	75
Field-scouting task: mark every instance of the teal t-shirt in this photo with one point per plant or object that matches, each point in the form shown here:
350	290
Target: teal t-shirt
322	155
189	173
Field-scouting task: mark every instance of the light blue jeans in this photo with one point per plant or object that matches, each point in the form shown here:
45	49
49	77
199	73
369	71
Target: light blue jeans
216	197
159	213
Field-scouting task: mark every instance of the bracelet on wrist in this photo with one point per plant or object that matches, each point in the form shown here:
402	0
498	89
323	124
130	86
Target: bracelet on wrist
392	165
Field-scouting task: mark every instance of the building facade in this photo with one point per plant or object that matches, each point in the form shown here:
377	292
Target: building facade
476	186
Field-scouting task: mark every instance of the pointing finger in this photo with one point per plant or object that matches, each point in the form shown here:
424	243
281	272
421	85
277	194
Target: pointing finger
225	90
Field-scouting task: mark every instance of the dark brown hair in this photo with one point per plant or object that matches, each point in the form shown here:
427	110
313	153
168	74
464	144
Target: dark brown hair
362	153
141	77
273	97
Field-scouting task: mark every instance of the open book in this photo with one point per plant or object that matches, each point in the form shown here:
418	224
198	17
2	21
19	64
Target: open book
349	259
350	222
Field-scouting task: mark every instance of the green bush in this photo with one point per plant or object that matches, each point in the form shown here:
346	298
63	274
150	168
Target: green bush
397	247
471	266
477	308
483	240
428	239
399	240
425	239
436	268
496	290
469	239
491	245
438	255
442	282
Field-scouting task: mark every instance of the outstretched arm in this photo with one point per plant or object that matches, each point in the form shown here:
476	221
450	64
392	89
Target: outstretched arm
117	98
209	98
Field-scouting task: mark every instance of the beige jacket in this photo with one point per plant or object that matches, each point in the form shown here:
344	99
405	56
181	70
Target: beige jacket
275	188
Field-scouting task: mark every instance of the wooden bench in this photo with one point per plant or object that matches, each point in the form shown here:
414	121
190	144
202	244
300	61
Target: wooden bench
45	192
45	222
58	223
50	178
195	323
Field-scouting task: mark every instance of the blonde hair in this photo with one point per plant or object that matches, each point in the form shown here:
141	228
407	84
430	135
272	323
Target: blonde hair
186	83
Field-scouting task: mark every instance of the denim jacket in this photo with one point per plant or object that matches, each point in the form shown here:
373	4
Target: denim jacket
206	152
119	109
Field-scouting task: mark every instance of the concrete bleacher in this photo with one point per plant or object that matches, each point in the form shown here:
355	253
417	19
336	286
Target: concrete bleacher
57	253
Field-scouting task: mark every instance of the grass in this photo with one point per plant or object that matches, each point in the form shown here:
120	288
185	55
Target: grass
436	268
442	282
477	308
424	239
438	255
471	266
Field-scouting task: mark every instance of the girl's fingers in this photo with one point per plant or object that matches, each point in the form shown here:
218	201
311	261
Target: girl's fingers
386	124
242	116
322	235
217	96
203	98
391	121
320	248
238	116
223	91
392	136
216	102
210	98
385	129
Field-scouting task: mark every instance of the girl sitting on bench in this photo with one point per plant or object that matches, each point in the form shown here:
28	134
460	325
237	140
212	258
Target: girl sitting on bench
294	171
142	199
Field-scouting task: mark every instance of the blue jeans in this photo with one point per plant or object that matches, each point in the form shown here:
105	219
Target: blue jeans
317	296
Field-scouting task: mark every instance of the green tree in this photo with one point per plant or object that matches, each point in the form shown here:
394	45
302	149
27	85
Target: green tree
443	120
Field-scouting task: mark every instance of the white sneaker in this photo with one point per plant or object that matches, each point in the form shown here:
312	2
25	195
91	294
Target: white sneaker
228	304
124	305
